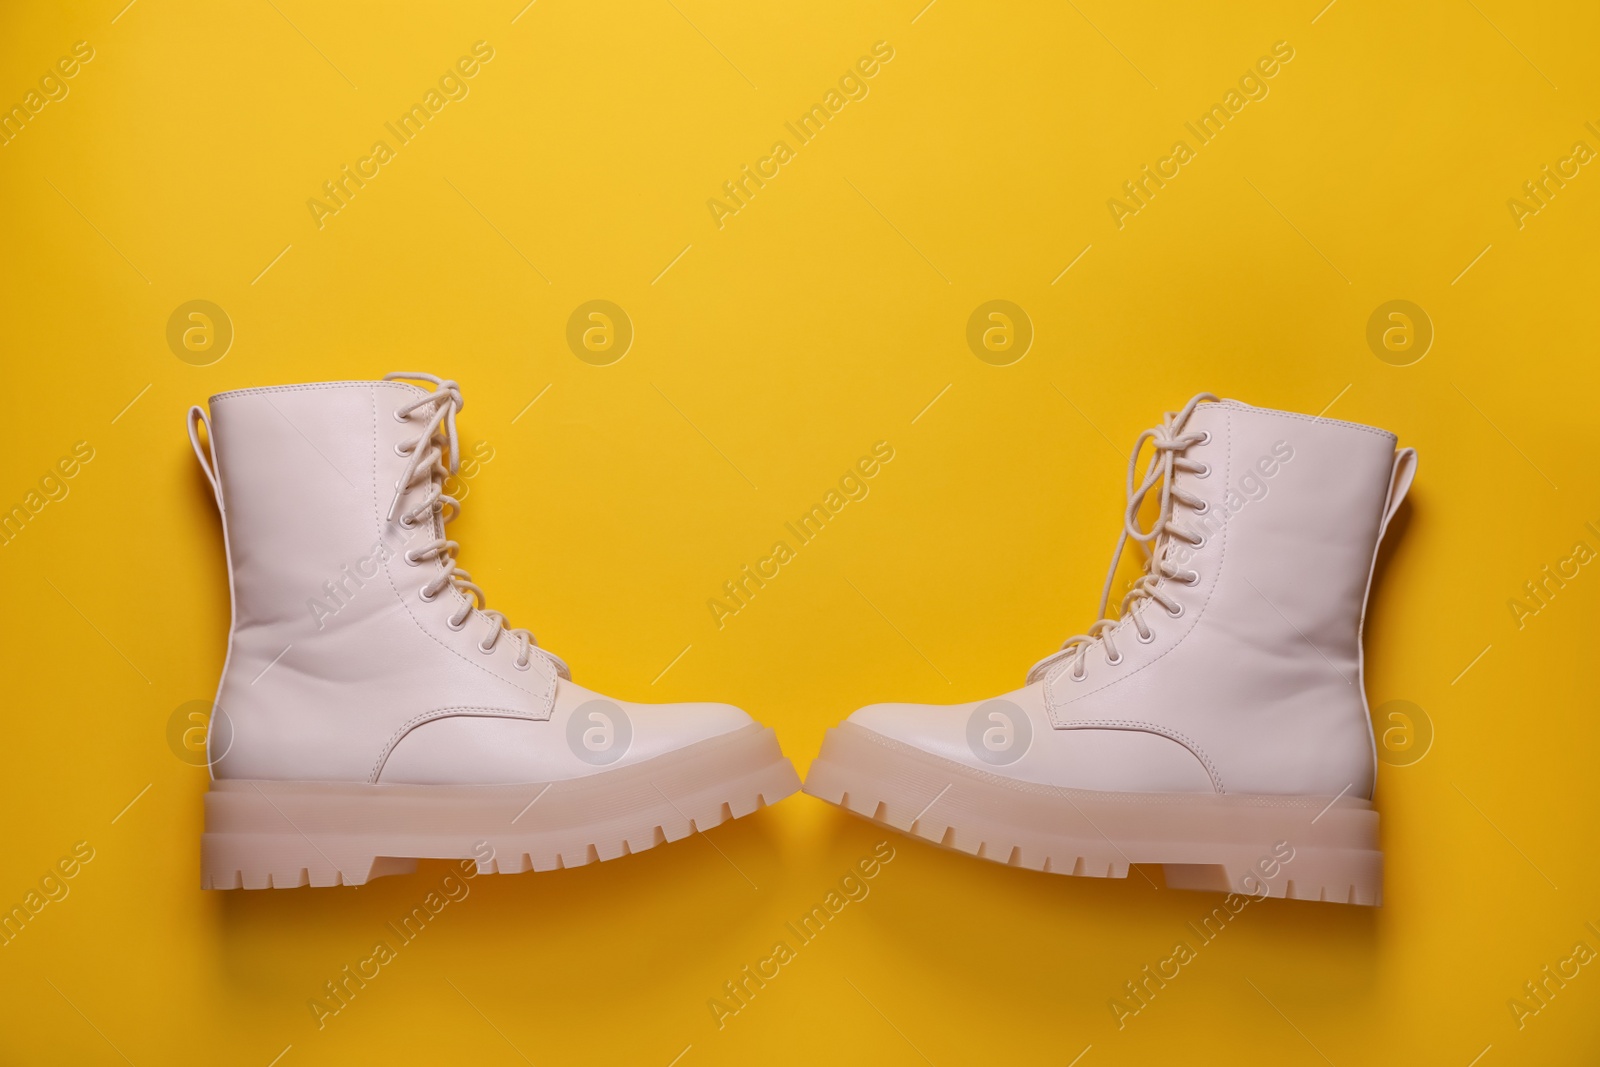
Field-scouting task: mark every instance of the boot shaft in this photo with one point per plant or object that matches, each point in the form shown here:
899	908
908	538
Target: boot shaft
1294	510
1256	667
306	473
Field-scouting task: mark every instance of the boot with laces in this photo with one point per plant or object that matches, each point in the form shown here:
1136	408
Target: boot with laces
1218	724
373	712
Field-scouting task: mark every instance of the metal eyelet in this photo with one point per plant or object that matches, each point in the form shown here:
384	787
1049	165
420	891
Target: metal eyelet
521	665
1143	640
1192	578
1075	676
1205	437
487	650
407	522
426	598
1176	614
1203	507
456	626
1201	543
1204	472
414	561
1114	662
400	416
401	450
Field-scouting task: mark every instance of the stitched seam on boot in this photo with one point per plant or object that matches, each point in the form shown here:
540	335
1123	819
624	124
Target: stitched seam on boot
1163	731
260	390
1317	419
415	721
1059	721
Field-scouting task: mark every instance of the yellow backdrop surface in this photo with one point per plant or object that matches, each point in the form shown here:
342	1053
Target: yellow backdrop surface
800	217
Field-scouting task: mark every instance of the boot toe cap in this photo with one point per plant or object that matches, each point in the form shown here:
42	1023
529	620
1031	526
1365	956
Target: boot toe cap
689	723
938	729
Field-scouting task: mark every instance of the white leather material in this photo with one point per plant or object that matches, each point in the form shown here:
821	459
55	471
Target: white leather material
334	656
509	750
1259	678
1078	759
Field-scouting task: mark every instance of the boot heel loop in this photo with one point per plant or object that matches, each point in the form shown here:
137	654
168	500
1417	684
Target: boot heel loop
206	453
1400	478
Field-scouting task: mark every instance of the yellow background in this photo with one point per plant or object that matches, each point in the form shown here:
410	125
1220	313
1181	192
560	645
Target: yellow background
823	317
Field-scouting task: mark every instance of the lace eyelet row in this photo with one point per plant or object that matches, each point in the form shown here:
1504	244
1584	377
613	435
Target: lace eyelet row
1077	676
1205	439
408	450
450	622
1171	439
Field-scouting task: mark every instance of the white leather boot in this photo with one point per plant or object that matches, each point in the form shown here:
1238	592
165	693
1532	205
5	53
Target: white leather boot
1219	724
373	712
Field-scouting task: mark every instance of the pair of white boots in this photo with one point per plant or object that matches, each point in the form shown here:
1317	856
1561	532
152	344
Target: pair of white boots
373	711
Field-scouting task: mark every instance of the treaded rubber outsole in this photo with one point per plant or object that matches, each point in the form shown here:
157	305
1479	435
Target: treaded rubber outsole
282	835
1301	847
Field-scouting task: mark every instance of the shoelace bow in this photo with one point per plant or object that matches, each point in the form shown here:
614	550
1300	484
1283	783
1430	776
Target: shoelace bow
1170	440
426	457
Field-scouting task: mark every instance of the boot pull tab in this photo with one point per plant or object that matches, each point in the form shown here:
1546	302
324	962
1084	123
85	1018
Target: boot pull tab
206	453
1405	469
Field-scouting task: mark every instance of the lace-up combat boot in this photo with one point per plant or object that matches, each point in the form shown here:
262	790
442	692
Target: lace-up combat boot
372	711
1218	724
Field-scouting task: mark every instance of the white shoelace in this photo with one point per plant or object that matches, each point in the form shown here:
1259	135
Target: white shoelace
425	459
1170	442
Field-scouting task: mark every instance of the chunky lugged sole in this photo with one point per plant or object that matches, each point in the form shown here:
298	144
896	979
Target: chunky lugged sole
280	835
1302	847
